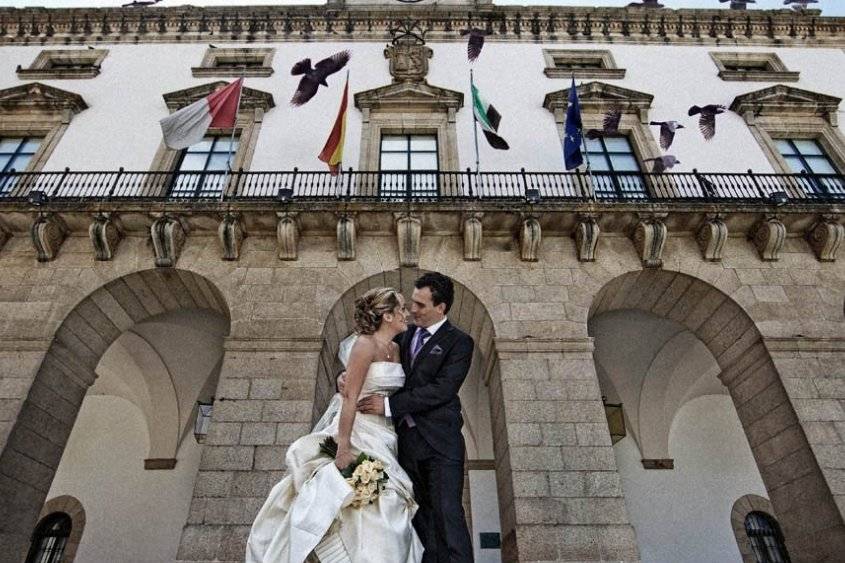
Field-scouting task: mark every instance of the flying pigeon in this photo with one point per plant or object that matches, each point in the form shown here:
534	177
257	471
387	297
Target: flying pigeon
667	132
738	4
800	4
645	4
139	3
662	163
316	76
610	125
707	121
475	43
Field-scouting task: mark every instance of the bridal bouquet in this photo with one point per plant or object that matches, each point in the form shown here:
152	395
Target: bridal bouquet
365	475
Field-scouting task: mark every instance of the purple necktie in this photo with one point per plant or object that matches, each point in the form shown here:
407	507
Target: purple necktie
419	341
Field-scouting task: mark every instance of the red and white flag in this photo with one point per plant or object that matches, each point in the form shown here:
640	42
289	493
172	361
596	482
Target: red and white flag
188	126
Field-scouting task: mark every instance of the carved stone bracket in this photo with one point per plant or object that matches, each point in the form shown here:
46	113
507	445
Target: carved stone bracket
105	236
649	237
408	236
768	236
472	228
287	235
168	236
530	237
48	233
346	232
586	236
711	237
231	235
4	237
825	237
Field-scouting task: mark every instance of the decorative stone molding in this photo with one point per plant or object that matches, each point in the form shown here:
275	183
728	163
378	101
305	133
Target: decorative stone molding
235	62
649	236
159	463
51	64
408	60
530	237
658	463
38	97
752	67
231	235
408	236
586	236
711	237
105	236
168	237
346	236
473	231
287	235
250	97
768	236
48	232
581	63
780	100
825	237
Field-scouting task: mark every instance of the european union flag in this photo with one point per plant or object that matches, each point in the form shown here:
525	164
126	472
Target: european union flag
572	156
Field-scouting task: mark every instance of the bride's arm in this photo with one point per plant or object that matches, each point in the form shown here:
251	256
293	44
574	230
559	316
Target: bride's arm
356	370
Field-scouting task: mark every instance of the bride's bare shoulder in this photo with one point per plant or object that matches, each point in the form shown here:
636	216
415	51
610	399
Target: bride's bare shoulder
364	344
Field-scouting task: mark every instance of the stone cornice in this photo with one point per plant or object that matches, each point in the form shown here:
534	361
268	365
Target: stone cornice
185	24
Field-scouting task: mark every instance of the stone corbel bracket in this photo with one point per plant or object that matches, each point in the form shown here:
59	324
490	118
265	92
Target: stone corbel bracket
530	237
346	236
48	232
711	237
231	235
105	236
408	236
586	235
287	235
825	237
472	230
649	237
4	236
768	236
168	237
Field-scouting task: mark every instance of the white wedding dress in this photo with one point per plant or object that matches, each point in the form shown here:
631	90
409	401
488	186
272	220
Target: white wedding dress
309	509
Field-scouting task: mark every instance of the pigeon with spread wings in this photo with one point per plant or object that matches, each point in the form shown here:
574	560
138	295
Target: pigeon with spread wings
316	76
662	163
707	121
610	125
667	132
475	42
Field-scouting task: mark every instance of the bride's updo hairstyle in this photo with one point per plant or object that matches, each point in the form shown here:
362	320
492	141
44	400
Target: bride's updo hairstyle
371	307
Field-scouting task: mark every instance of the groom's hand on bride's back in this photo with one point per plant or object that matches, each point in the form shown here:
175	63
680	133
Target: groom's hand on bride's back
372	404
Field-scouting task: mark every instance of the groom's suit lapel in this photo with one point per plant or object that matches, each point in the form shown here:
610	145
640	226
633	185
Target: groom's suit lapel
437	337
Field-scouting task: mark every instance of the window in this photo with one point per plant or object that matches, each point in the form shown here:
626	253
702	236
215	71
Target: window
561	63
202	168
15	155
807	156
616	171
65	63
235	62
408	166
50	538
766	538
752	67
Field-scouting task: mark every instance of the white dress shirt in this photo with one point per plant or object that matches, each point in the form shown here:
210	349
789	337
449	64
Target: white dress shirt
431	330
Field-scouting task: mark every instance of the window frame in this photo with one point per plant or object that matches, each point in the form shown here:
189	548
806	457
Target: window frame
42	67
409	192
41	533
760	546
618	191
607	67
203	175
211	67
775	70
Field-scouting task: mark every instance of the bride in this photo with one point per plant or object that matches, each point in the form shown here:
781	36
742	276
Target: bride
309	513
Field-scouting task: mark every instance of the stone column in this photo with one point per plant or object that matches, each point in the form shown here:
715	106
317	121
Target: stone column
559	489
263	403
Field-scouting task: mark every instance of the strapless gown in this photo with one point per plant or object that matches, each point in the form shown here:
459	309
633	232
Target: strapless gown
307	514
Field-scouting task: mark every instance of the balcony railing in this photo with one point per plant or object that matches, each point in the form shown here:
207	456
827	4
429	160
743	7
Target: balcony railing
534	187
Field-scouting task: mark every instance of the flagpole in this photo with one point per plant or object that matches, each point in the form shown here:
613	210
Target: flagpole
232	137
587	157
474	122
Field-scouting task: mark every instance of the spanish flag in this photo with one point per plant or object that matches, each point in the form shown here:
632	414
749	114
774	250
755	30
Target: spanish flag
332	153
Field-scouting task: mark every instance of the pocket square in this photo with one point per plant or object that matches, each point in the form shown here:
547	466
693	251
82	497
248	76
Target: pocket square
437	350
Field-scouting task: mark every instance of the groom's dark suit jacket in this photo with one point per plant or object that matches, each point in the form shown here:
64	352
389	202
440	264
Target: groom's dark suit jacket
430	394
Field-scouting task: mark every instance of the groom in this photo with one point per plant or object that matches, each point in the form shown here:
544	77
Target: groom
436	357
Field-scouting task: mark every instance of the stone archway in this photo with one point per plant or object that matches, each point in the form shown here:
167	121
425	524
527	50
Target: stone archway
481	395
800	494
37	440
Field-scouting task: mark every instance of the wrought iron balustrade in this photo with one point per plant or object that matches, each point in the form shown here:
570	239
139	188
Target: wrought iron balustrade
533	187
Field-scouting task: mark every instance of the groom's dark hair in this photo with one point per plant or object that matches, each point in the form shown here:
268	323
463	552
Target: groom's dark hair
441	287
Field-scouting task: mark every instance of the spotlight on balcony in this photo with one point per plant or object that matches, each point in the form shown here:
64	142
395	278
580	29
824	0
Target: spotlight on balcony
532	196
285	195
778	198
37	197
